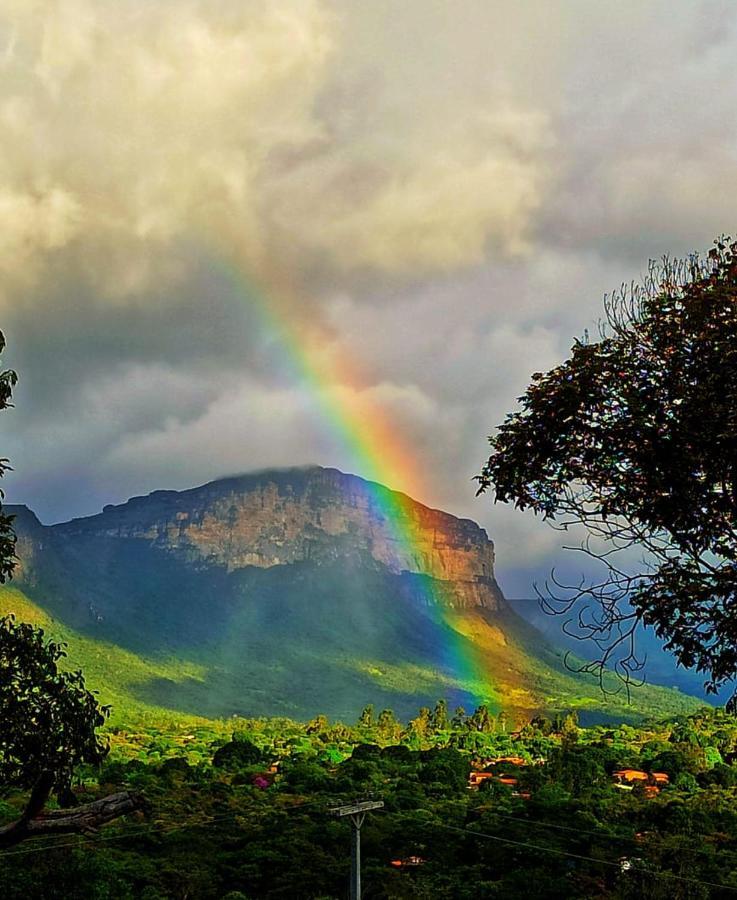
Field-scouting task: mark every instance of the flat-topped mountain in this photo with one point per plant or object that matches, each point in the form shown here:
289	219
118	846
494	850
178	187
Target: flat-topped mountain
313	514
292	591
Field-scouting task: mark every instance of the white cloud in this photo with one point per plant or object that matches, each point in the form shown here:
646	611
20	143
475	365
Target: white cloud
131	126
151	121
34	223
438	205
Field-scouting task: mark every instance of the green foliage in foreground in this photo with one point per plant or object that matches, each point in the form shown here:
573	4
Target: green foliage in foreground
223	825
49	719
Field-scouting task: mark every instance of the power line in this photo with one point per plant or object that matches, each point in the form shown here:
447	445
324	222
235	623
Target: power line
604	862
618	837
132	830
143	830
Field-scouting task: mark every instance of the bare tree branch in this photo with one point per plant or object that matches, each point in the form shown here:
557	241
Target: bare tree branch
85	819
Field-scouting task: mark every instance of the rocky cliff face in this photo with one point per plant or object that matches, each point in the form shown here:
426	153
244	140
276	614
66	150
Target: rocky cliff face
32	540
291	592
286	516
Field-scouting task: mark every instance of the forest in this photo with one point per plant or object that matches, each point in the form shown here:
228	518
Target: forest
241	809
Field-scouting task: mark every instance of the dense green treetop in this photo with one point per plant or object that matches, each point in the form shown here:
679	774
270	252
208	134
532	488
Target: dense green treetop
557	825
634	436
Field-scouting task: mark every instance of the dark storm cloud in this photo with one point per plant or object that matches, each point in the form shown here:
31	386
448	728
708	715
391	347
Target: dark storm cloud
446	189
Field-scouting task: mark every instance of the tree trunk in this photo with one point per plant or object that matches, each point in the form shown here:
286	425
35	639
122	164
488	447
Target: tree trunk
85	819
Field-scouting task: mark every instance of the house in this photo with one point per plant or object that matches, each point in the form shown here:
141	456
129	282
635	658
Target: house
626	779
630	776
508	780
408	861
476	778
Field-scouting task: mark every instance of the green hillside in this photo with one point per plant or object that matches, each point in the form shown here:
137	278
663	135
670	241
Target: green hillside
247	678
116	674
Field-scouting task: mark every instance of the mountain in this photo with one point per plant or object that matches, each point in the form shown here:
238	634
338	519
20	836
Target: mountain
293	592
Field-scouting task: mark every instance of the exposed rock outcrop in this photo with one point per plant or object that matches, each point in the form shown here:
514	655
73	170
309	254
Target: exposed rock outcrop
285	516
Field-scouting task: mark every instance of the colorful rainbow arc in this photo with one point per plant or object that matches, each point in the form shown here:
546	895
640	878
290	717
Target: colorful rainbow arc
375	448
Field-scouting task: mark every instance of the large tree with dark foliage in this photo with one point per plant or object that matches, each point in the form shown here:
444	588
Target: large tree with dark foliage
635	438
48	718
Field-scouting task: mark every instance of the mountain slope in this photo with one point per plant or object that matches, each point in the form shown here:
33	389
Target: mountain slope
294	592
116	674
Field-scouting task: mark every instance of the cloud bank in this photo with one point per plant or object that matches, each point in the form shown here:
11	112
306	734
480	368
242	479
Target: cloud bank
440	192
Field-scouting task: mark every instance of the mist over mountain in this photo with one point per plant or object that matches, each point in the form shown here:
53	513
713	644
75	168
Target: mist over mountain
298	591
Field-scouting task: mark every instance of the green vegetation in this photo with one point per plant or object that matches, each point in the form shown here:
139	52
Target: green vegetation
239	806
241	809
49	718
114	673
525	676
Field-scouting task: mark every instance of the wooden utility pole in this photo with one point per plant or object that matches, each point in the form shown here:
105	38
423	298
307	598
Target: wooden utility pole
356	812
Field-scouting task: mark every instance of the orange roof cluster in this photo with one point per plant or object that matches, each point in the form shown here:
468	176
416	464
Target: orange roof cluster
475	779
626	778
639	775
631	775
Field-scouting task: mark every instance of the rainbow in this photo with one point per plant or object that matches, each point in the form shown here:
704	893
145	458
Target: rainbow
375	449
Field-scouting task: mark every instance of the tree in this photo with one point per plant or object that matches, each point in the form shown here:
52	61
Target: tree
388	729
366	719
458	723
318	725
481	720
48	718
569	730
420	727
237	753
634	437
439	716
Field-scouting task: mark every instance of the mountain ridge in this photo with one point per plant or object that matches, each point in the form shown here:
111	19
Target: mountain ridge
233	522
295	592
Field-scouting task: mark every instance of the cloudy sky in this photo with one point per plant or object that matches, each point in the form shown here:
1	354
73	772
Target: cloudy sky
236	231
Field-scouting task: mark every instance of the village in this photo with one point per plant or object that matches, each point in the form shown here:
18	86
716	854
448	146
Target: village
503	769
507	771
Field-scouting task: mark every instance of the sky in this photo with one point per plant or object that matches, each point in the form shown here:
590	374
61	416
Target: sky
234	231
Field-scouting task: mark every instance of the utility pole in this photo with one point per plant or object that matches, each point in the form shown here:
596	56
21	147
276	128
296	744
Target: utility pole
356	812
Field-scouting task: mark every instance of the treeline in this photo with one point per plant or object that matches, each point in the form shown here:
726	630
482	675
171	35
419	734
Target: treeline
241	809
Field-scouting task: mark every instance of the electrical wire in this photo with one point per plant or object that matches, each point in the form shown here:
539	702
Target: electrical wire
604	862
143	830
599	834
135	830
